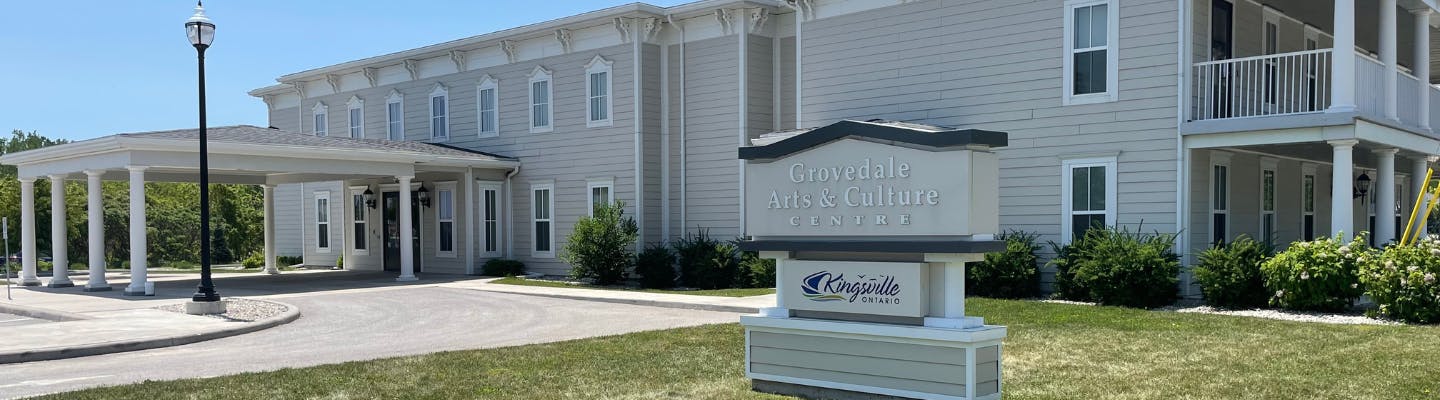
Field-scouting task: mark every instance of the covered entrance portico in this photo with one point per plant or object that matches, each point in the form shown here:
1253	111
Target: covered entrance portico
237	155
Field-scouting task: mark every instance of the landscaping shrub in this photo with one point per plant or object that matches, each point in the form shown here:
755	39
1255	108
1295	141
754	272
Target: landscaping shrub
42	265
1405	282
1321	275
1066	258
286	261
1012	274
656	267
1116	267
255	260
1229	274
340	262
502	267
601	246
704	262
758	272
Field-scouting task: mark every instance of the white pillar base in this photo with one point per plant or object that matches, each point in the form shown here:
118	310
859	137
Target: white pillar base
29	282
410	278
57	283
954	323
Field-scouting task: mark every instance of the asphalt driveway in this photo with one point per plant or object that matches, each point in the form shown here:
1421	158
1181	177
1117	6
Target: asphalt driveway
348	317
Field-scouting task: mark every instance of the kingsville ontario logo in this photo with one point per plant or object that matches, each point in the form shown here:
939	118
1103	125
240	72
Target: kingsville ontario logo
825	286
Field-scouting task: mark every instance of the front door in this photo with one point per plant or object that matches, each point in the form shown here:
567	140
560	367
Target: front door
1222	22
391	211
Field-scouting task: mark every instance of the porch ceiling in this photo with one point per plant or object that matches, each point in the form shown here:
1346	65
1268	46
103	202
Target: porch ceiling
247	155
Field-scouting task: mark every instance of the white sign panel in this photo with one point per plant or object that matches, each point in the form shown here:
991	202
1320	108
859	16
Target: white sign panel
858	188
878	288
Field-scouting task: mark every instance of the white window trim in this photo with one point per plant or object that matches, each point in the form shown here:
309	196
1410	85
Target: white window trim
540	74
1067	167
320	111
454	213
534	187
1112	53
439	92
329	228
1309	170
598	65
481	188
1270	17
1271	165
394	98
362	218
1220	159
590	185
352	128
487	83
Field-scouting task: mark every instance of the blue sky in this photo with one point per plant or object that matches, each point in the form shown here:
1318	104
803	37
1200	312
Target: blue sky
79	69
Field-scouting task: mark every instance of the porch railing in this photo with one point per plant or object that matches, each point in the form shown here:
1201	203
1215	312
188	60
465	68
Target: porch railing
1277	84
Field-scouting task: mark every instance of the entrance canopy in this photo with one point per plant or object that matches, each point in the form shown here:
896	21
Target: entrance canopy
245	154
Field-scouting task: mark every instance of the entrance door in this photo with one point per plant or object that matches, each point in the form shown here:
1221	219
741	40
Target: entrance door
391	211
1222	22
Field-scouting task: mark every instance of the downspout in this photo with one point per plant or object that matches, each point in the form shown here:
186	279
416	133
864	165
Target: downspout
636	39
743	63
1182	182
509	208
684	146
665	140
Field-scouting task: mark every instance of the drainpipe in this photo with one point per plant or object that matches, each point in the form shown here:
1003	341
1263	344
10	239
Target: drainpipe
509	208
684	146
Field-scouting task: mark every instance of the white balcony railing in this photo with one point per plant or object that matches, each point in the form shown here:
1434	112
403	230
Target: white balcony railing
1278	84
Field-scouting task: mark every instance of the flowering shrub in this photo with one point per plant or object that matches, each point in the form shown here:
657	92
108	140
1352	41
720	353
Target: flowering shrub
1403	281
1322	275
1229	274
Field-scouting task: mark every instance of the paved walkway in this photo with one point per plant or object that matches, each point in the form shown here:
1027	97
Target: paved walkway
748	305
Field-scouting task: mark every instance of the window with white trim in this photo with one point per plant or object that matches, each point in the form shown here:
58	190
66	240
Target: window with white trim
1267	202
321	120
1269	45
1088	200
1219	201
322	222
394	116
1091	58
490	219
540	100
542	218
487	103
600	192
439	113
355	108
597	89
445	219
1312	84
1307	203
359	244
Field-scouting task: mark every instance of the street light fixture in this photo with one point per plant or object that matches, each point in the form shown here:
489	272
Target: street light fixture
201	33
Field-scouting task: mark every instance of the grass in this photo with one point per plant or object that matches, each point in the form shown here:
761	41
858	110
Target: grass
1054	351
716	292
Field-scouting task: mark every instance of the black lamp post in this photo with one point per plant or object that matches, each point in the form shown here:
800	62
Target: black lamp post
202	33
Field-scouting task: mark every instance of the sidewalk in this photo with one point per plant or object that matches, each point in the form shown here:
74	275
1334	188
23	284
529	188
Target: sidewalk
90	323
747	305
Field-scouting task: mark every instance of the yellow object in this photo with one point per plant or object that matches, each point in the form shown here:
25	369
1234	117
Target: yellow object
1414	211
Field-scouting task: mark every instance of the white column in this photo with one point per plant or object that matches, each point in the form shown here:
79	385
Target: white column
1422	63
138	247
1342	187
407	249
59	242
96	231
27	233
1342	95
1385	197
270	266
1388	33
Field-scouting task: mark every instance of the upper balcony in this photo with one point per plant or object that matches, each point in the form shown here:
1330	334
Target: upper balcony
1275	64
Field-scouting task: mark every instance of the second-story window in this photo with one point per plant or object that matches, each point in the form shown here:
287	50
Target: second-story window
321	122
439	113
1090	60
487	105
540	94
597	89
356	118
394	116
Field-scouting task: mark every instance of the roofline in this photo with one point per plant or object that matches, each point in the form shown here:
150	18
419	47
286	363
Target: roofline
439	49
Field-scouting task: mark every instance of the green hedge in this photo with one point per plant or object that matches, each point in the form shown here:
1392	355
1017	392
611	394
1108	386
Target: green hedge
1405	282
1322	275
1116	267
1013	273
1229	274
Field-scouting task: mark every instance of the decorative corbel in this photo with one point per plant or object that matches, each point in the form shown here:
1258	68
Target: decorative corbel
458	57
269	100
726	17
806	8
372	74
508	46
562	35
334	81
758	17
299	87
414	67
622	25
652	29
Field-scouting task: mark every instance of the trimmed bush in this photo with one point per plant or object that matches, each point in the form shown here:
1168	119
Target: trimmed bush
255	260
286	261
705	263
600	247
502	267
1405	282
1118	268
1067	256
42	265
1229	274
656	267
759	272
1322	275
1010	274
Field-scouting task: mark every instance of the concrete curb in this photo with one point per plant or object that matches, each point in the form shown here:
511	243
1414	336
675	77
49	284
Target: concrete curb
42	313
291	314
638	302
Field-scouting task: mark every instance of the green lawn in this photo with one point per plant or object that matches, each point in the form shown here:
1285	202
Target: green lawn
1055	351
716	292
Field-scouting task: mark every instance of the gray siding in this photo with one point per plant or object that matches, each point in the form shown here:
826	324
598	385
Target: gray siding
785	83
677	147
913	367
312	253
653	162
287	119
712	103
760	73
288	225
